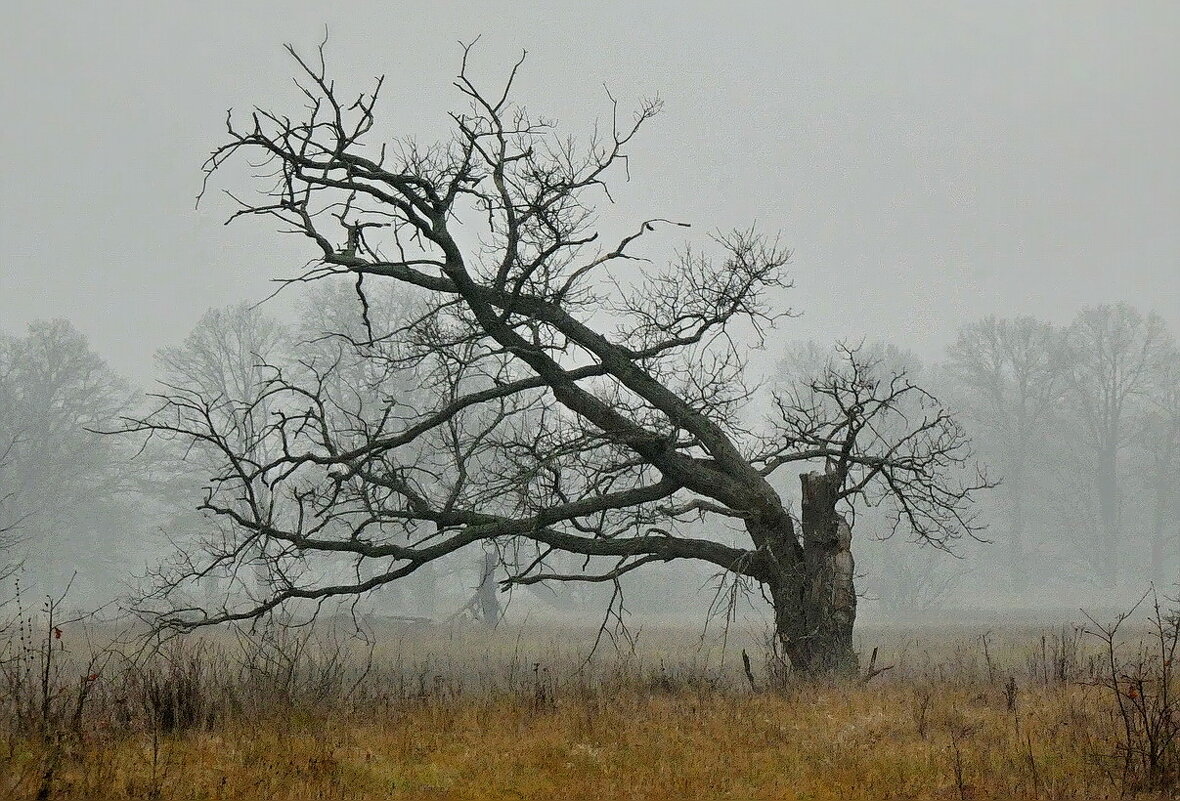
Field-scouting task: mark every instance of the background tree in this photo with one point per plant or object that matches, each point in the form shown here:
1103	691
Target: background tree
536	430
68	486
9	522
1114	356
1010	377
220	370
1161	446
355	329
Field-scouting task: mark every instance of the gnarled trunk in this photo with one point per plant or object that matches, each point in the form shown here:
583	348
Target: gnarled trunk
813	588
829	598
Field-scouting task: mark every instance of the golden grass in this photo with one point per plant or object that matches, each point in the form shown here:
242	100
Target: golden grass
832	743
943	728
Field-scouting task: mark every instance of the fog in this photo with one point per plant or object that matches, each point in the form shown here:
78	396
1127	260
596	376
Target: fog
929	165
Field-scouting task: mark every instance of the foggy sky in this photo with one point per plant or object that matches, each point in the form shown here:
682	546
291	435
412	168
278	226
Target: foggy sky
929	163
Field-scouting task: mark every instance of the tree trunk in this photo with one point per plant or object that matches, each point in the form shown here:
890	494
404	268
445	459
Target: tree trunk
1158	539
211	586
488	598
829	596
365	571
1106	548
426	600
1164	491
1018	563
814	593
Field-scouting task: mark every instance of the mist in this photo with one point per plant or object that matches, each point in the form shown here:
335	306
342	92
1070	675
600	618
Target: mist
982	196
589	400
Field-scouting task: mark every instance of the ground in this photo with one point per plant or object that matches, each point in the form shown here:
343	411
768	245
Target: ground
455	713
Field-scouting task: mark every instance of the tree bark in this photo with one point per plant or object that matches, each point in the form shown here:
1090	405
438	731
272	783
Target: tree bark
815	598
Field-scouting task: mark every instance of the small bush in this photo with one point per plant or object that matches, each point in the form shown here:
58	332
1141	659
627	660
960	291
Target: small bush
1141	686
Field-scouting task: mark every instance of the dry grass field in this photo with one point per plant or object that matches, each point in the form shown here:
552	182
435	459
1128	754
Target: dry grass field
457	713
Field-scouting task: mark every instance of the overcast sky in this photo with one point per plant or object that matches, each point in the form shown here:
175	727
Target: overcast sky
929	163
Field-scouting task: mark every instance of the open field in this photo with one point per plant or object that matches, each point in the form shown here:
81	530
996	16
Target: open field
459	713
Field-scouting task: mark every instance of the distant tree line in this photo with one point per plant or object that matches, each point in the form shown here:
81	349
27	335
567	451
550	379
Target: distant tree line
1079	423
69	496
1082	423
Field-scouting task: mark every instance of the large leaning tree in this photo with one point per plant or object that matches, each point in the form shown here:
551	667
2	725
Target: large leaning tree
569	396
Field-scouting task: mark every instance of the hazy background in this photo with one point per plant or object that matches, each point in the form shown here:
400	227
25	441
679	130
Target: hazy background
930	163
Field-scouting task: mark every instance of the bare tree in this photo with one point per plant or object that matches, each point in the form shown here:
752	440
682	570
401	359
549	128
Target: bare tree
902	577
1011	376
572	397
9	518
66	485
1114	355
1161	443
884	442
220	371
354	329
